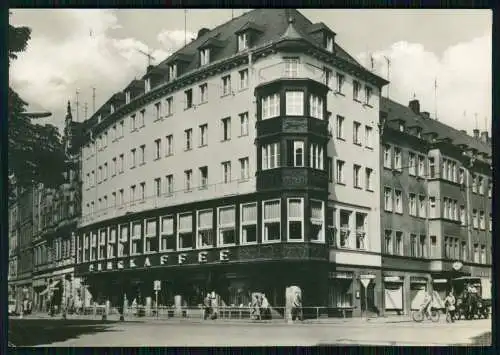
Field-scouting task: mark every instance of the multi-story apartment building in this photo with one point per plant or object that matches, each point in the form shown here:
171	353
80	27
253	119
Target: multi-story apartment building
55	219
246	161
436	205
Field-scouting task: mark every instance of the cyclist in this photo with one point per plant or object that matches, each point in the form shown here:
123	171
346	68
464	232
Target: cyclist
426	304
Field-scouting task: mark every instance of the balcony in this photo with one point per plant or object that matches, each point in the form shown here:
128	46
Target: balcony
292	178
292	125
283	70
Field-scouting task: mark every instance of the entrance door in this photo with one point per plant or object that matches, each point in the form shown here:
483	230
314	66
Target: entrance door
368	298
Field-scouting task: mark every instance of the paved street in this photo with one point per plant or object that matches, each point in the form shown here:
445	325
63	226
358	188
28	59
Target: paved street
45	332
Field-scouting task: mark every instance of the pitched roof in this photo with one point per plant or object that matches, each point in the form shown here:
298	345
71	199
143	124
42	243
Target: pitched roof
396	110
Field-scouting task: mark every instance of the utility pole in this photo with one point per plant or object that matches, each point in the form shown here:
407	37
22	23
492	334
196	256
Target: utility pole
85	110
77	104
93	100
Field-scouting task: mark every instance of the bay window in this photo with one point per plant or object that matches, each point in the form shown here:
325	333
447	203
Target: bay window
150	236
102	244
422	211
93	247
135	238
270	106
248	223
291	67
123	242
111	242
227	225
271	220
317	221
316	107
316	156
345	221
294	103
295	219
205	229
185	230
167	237
270	156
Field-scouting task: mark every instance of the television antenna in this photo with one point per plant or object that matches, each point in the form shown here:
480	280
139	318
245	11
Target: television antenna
150	57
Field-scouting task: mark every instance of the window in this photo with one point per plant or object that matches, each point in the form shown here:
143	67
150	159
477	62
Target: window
475	219
142	118
294	103
123	241
121	163
157	148
102	244
316	156
143	191
169	145
398	245
203	177
203	135
398	201
422	247
455	210
121	196
99	175
204	56
132	158
113	194
369	136
158	111
340	171
463	251
340	127
368	179
188	135
172	71
476	253
242	41
150	236
205	229
327	75
329	44
167	239
368	95
490	188
401	126
387	157
105	171
432	168
169	184
422	211
244	170
413	205
330	168
361	230
413	245
143	154
388	199
474	183
397	159
480	185
243	124
270	156
226	172
432	207
188	174
317	221
114	167
132	193
316	106
291	67
356	176
157	187
122	125
483	254
271	220
412	164
388	242
135	238
226	128
462	215
421	166
203	93
226	85
295	219
170	106
227	225
270	106
356	88
188	99
249	223
340	83
243	79
461	176
127	97
185	231
482	221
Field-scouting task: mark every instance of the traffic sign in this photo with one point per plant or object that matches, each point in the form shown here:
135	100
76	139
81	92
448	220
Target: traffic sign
157	285
365	282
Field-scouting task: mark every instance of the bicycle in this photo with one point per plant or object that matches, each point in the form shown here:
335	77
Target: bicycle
418	316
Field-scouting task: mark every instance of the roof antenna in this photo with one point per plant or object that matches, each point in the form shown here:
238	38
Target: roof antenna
77	104
93	100
388	74
435	99
185	27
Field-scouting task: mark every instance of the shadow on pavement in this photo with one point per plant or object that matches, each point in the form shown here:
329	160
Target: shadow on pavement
32	332
482	339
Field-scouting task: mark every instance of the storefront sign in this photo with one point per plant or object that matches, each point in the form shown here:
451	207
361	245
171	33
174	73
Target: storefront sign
457	265
440	281
340	275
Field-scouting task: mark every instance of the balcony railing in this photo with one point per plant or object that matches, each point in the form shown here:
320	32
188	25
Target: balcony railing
284	70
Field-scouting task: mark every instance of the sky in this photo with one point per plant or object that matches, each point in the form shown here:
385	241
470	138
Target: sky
72	49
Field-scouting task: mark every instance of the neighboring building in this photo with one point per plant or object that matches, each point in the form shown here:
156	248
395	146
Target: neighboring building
56	214
436	205
246	161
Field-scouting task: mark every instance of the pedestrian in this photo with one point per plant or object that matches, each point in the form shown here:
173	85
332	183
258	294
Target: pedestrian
265	310
449	302
207	306
255	304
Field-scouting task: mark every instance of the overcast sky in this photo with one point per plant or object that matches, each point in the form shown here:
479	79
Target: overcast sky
80	49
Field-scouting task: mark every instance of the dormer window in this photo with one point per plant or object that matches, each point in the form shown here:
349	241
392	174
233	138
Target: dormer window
204	56
172	71
242	41
99	119
127	97
419	132
368	95
147	85
401	126
329	43
112	108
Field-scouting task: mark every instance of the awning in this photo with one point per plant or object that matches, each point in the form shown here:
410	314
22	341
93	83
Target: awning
50	288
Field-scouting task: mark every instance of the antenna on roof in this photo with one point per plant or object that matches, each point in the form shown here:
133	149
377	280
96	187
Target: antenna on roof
150	57
388	74
435	99
185	26
77	105
85	110
371	62
93	100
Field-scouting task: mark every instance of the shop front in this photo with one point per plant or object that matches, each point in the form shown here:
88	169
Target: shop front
393	294
419	286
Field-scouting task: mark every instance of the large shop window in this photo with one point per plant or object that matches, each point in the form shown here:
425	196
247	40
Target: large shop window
249	223
317	221
205	229
316	106
167	237
270	156
135	238
294	103
93	247
185	230
86	247
295	219
150	244
123	242
111	242
272	220
361	219
345	221
270	106
340	292
227	225
316	156
102	243
393	294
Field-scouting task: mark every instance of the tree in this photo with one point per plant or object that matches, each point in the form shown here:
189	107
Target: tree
36	154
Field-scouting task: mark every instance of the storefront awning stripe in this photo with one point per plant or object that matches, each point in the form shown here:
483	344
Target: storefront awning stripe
440	281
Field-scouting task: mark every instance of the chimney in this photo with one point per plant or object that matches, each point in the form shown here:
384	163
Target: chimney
149	68
476	133
463	131
426	114
415	106
484	136
202	31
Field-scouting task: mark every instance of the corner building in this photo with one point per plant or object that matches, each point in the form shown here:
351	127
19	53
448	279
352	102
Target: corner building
247	161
